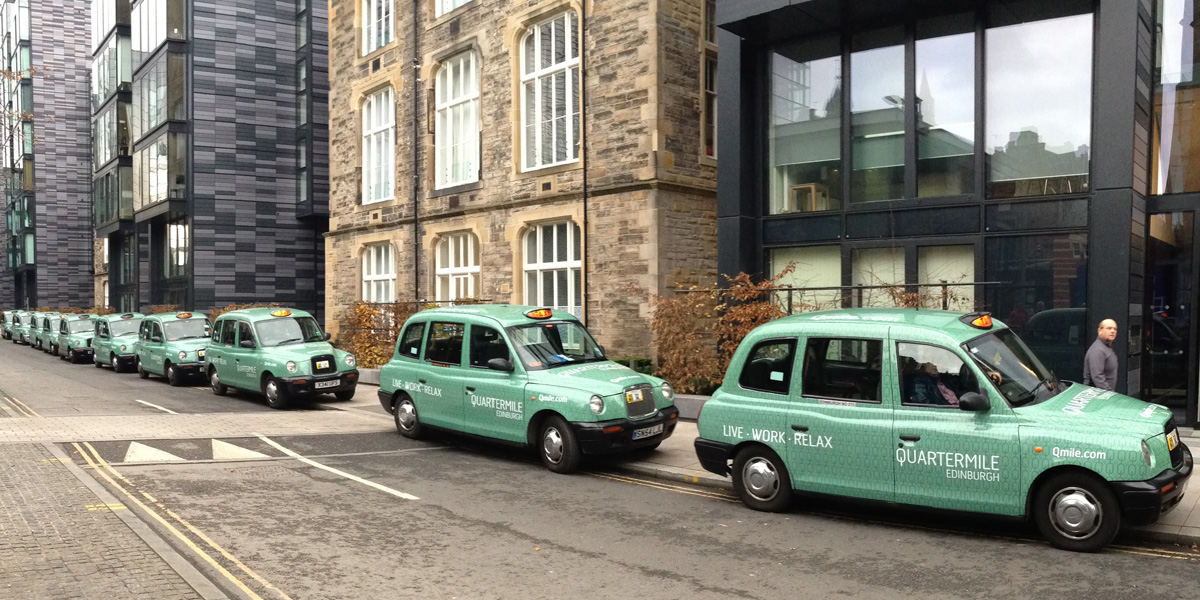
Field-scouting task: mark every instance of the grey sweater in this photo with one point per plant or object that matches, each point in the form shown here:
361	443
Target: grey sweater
1100	366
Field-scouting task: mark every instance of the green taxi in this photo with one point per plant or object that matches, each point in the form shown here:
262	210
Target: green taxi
114	340
279	352
6	319
941	410
74	339
30	330
172	346
47	330
523	376
19	331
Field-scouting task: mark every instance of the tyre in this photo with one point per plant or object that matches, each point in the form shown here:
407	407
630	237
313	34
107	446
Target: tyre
344	395
173	376
277	397
407	422
96	360
114	362
70	356
558	446
1077	511
142	372
761	479
214	381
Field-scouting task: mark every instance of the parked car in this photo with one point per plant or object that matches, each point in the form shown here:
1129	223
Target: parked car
522	375
6	319
277	351
20	326
46	331
75	337
30	330
114	341
172	346
940	410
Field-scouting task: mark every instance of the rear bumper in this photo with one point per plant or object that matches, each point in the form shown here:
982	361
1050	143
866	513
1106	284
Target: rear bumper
307	385
1144	502
714	456
385	400
611	437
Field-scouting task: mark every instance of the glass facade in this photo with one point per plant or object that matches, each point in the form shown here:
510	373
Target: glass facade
153	23
804	133
112	67
158	94
1176	126
877	115
112	196
160	170
945	105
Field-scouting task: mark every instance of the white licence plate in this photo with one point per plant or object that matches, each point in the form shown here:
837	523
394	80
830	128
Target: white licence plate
639	434
1172	439
322	364
634	396
320	385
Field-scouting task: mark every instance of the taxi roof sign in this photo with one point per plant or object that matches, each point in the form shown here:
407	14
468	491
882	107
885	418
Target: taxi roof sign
541	313
184	315
978	320
127	316
281	313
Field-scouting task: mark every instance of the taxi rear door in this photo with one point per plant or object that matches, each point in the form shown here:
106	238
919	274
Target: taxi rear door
438	392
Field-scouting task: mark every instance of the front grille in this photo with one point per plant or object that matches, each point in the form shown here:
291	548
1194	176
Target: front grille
1177	453
641	408
332	368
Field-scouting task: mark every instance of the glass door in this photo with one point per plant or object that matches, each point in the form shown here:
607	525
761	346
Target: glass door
1168	369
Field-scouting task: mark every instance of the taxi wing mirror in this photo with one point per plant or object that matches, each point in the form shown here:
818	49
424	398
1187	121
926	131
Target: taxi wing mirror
327	337
156	338
974	402
247	344
500	364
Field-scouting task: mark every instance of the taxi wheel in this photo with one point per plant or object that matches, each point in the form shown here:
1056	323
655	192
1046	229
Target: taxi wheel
407	422
1076	511
142	372
761	479
276	397
214	381
344	395
173	376
115	363
96	362
557	446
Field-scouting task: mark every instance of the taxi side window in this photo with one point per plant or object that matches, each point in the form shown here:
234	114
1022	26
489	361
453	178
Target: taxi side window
846	369
410	342
216	331
245	332
229	336
768	368
445	343
932	376
156	331
486	344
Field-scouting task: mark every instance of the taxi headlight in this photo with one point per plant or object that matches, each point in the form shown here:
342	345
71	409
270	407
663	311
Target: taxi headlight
1146	453
350	360
597	404
668	392
291	366
182	355
77	343
122	347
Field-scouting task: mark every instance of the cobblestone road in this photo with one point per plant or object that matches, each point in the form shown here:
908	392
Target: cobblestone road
59	541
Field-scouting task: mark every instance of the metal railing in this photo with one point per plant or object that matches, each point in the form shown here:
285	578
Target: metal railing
855	296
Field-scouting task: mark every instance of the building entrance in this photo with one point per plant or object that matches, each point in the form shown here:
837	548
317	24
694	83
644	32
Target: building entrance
1168	345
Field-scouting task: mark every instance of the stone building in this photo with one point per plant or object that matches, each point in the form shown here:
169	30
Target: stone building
539	152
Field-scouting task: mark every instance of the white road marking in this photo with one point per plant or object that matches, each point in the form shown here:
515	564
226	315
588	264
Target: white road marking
143	453
226	451
157	406
382	488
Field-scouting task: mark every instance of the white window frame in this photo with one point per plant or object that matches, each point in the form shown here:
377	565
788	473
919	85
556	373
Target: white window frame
708	85
533	74
458	274
572	263
377	24
379	273
379	147
442	7
456	128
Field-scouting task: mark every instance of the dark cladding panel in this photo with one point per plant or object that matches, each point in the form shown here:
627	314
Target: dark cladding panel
1021	216
799	230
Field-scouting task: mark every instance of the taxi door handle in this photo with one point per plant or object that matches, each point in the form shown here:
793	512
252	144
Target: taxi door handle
800	428
421	380
470	389
910	438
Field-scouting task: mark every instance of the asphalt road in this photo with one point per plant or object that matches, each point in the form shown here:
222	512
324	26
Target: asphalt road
374	515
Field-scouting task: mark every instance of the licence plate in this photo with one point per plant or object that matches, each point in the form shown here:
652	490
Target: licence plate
322	364
639	434
320	385
632	397
1172	439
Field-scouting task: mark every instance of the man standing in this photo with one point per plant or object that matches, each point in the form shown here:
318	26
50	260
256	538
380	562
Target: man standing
1100	364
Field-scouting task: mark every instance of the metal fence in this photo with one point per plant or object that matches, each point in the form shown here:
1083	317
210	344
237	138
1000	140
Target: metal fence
908	295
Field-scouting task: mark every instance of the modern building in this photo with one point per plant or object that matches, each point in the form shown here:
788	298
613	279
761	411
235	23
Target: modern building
210	136
550	152
46	173
1041	151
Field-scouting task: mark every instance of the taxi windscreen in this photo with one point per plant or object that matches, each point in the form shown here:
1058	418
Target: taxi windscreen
548	345
119	327
186	330
79	326
1012	368
292	330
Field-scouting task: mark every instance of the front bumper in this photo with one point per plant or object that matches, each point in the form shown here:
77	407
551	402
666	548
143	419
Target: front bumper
610	437
1143	502
306	385
192	369
126	360
85	351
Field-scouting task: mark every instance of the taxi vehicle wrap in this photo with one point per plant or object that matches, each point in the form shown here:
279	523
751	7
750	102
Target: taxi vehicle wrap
114	340
172	345
74	339
942	410
29	327
20	326
6	318
46	332
277	351
523	376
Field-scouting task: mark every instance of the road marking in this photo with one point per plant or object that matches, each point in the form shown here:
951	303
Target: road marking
20	407
237	581
143	453
157	406
382	488
92	507
666	487
226	451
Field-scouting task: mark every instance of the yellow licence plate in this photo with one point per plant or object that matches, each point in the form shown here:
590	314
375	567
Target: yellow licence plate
322	364
633	396
1172	439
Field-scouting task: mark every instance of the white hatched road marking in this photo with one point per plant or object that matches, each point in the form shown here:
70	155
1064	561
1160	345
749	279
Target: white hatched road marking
143	453
382	488
226	451
157	406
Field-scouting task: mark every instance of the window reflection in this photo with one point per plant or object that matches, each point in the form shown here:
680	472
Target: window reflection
877	123
1039	86
805	128
1175	100
945	115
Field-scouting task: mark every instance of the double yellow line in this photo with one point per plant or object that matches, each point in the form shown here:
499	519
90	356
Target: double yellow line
666	487
20	407
111	475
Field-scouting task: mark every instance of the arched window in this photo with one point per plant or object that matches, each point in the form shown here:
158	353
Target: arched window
550	93
379	273
457	266
456	129
553	275
379	147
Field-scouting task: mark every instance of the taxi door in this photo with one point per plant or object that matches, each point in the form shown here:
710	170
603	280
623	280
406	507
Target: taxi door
224	336
947	457
151	351
493	401
100	342
438	392
840	427
245	360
